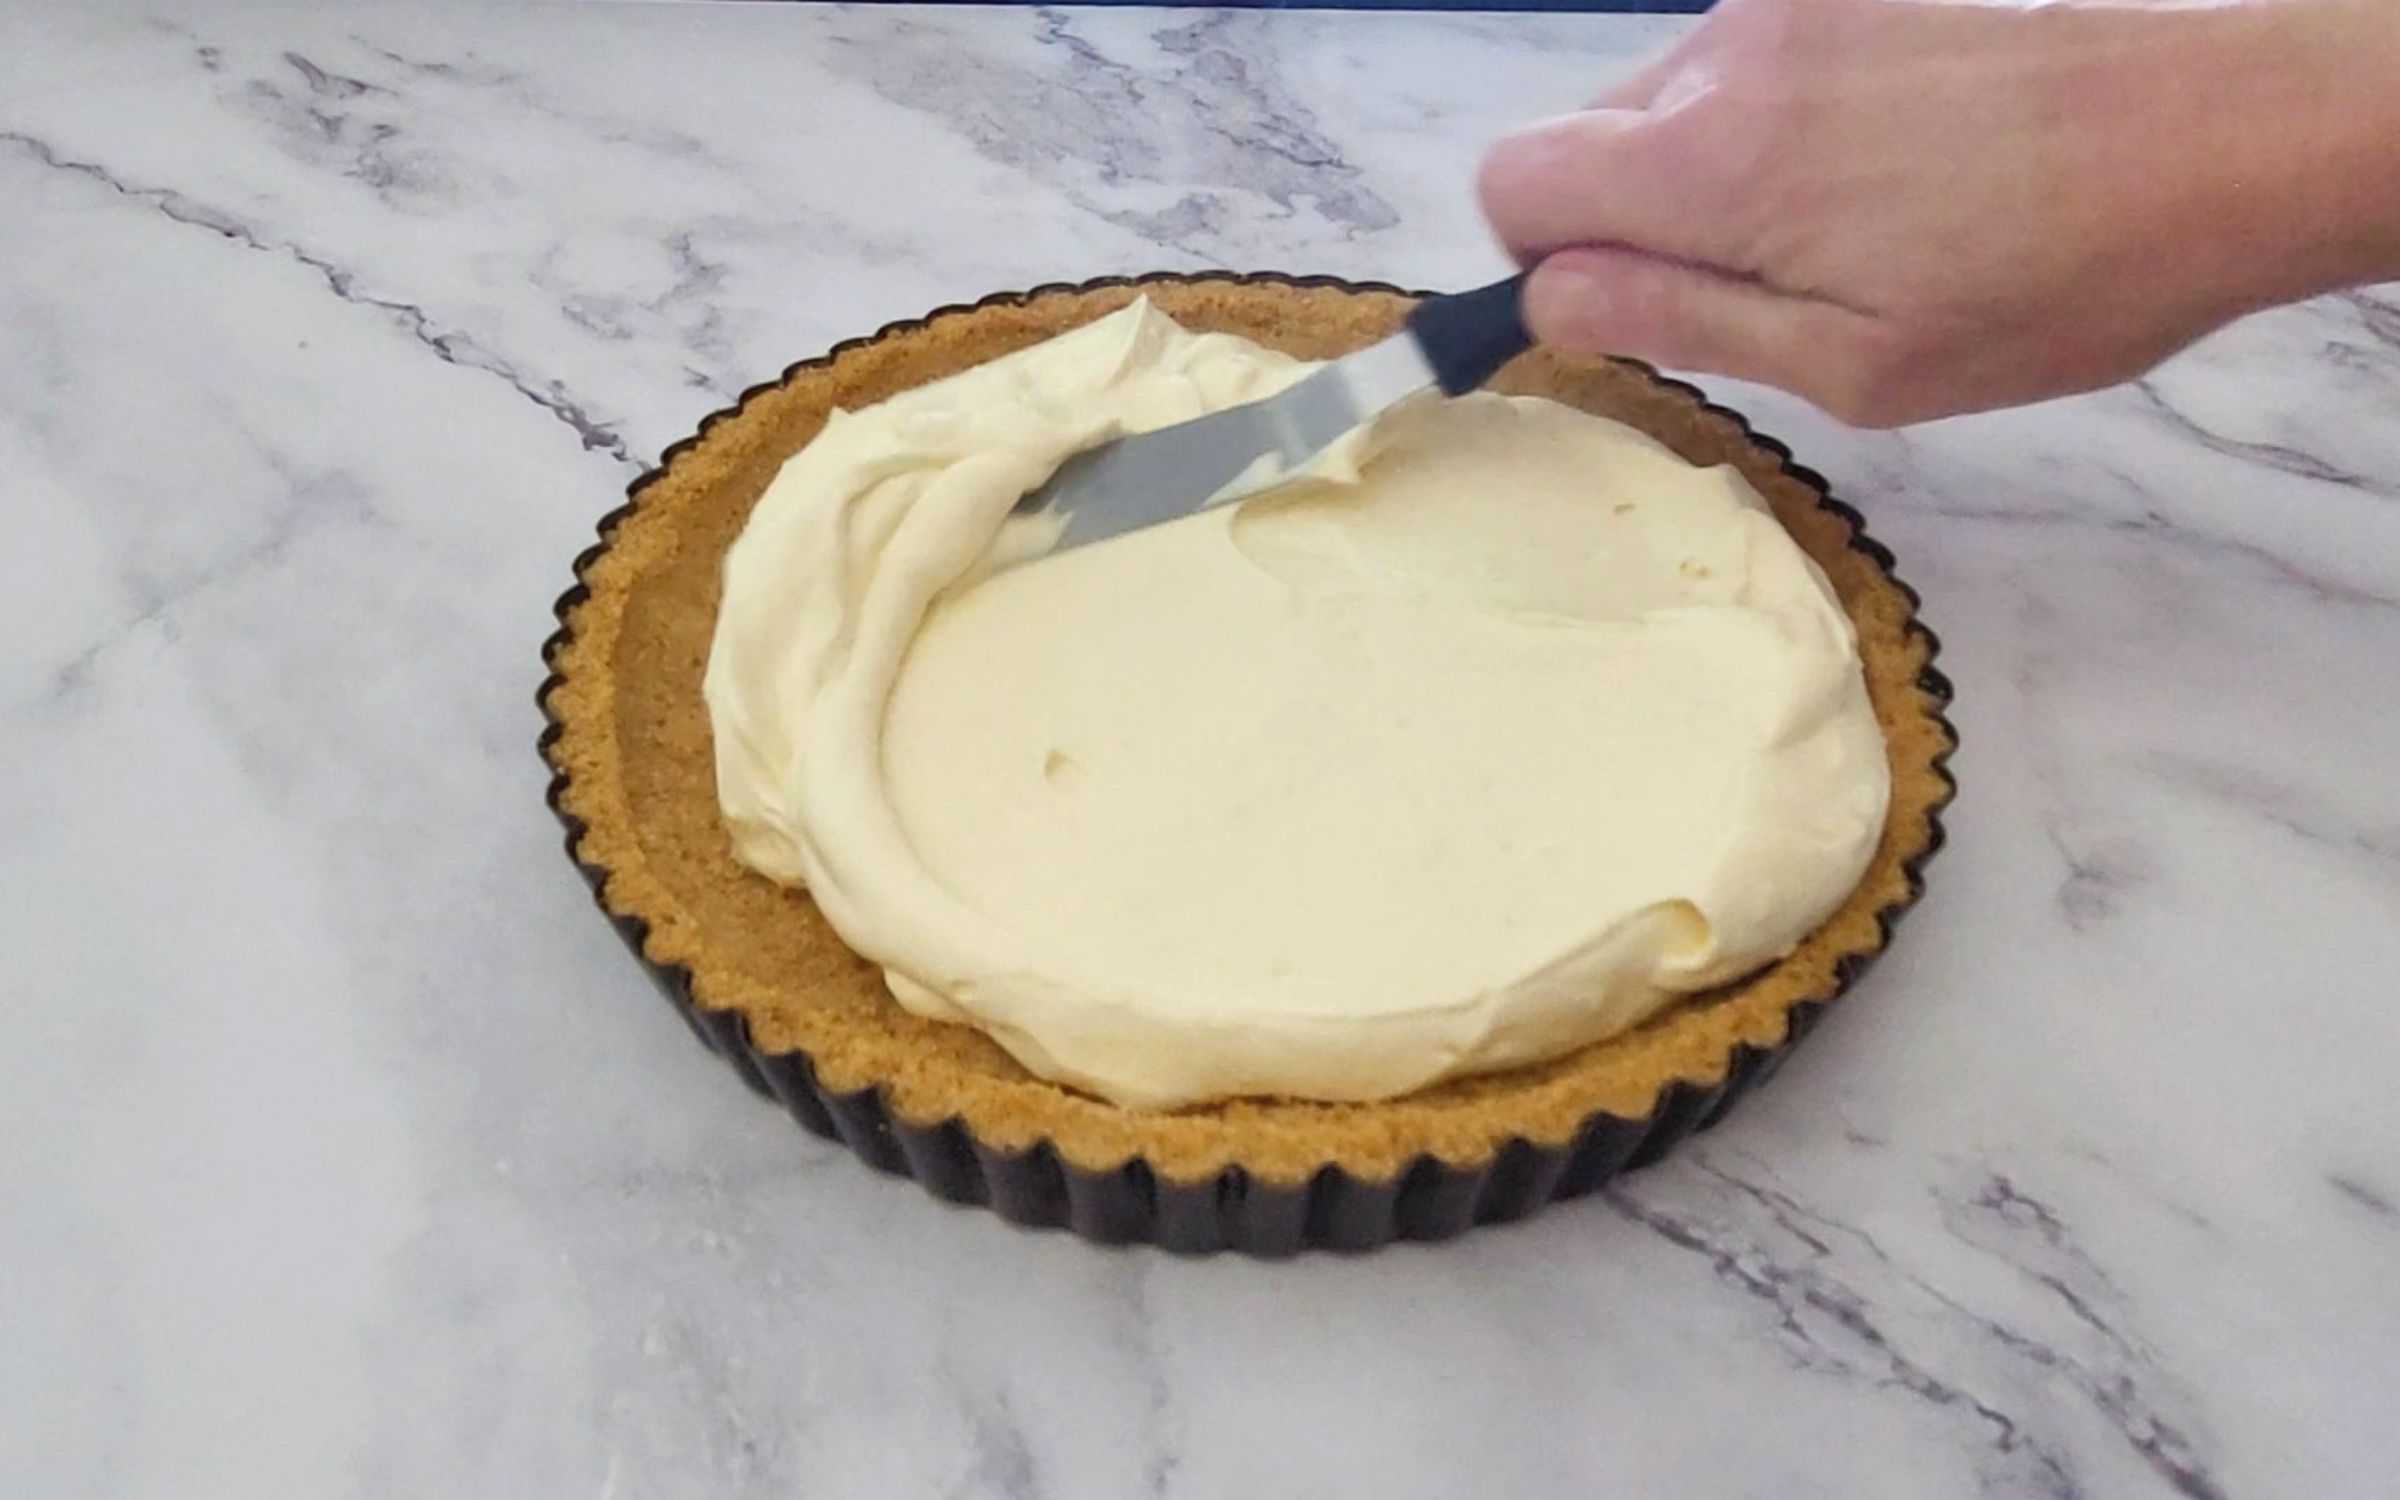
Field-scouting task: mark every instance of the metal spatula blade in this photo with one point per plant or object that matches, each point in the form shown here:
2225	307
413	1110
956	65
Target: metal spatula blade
1455	343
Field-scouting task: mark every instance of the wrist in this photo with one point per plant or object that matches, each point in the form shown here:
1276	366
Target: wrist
2319	179
2355	196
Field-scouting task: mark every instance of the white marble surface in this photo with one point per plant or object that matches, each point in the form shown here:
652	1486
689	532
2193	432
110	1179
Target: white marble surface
345	1153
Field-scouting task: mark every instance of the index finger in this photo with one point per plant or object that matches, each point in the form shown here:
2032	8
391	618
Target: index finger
1606	177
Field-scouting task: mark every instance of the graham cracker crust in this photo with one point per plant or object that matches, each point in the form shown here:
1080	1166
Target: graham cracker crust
762	977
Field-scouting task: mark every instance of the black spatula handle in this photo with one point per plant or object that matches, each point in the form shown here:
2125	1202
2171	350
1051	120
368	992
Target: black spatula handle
1469	336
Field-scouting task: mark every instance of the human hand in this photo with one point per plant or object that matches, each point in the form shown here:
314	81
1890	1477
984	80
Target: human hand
1904	209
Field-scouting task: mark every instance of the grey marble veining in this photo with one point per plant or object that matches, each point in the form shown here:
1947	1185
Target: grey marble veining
345	1154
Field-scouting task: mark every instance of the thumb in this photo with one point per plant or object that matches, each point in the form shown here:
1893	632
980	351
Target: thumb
1610	300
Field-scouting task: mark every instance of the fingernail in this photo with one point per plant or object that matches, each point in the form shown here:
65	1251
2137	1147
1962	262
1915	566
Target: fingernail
1561	290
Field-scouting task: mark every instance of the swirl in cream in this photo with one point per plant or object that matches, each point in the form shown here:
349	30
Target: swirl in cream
1480	741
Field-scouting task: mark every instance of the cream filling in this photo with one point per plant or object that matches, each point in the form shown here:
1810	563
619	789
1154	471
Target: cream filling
1479	742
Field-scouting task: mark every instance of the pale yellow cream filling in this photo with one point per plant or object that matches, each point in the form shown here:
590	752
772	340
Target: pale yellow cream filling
1480	742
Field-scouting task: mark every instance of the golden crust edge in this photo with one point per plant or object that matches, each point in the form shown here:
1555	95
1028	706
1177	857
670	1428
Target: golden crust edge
585	755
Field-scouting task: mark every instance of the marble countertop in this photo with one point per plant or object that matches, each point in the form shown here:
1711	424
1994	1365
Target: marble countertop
345	1152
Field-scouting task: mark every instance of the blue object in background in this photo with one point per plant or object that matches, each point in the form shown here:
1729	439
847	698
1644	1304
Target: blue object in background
1677	7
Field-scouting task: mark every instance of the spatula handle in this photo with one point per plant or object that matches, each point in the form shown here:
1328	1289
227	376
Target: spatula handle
1467	337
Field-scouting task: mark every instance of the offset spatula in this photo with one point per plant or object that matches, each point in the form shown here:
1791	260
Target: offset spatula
1455	342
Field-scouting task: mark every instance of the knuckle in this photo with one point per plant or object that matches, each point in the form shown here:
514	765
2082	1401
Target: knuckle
1740	139
1768	34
